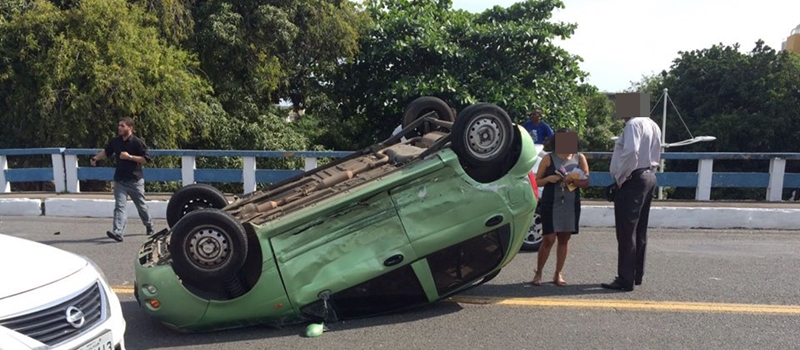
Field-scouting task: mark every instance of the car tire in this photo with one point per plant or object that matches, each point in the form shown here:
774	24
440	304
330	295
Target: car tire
216	230
483	121
193	197
533	237
423	105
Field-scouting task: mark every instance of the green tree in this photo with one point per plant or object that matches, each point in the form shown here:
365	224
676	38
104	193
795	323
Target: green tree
750	101
503	55
70	74
257	53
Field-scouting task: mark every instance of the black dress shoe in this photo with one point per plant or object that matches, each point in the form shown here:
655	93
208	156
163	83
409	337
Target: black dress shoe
617	285
115	236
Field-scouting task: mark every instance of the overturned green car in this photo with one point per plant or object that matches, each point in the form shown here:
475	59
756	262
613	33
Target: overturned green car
391	227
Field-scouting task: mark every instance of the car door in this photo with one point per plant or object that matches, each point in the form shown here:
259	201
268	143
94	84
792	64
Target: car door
461	229
347	248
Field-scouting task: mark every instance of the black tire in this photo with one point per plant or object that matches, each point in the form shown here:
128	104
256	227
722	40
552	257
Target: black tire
193	197
488	122
423	105
216	230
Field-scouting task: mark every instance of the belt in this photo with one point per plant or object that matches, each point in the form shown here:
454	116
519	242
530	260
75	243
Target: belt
639	171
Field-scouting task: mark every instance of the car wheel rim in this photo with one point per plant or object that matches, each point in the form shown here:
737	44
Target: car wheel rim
485	137
209	247
194	204
534	231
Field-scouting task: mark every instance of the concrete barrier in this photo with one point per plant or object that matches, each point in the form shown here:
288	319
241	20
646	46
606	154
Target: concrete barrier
702	217
591	215
20	207
97	208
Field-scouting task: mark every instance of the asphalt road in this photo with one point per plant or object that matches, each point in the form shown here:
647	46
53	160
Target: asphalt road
703	289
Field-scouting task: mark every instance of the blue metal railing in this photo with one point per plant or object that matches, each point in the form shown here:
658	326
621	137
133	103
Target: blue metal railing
67	174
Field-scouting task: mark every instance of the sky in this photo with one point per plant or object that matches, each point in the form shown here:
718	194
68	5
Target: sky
622	40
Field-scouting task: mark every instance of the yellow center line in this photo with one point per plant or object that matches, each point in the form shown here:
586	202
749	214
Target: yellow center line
647	305
633	305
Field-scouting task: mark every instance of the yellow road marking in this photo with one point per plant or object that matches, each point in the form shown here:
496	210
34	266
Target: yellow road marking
634	305
647	305
122	289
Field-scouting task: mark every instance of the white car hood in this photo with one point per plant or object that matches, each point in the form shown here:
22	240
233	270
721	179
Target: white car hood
28	265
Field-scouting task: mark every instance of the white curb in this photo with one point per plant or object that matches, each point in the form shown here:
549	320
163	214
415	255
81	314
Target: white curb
701	217
20	207
591	215
98	208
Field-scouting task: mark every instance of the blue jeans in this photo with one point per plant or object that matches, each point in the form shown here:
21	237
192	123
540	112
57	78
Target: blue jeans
135	189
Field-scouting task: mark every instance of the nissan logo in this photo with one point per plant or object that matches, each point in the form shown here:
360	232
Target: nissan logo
75	317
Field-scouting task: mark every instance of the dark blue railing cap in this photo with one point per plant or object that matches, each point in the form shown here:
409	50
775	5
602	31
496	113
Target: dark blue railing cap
29	151
708	155
224	153
339	154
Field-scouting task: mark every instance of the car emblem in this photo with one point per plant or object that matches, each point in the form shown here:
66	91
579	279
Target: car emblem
75	317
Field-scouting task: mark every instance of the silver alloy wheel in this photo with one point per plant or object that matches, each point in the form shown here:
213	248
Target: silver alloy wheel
208	247
485	137
534	234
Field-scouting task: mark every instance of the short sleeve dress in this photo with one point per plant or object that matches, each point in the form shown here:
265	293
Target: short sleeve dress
560	207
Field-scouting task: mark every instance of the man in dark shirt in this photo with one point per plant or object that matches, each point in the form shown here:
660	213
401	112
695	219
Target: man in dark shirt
538	129
130	153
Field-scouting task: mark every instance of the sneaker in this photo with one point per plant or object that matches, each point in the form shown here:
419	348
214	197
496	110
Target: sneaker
150	231
115	236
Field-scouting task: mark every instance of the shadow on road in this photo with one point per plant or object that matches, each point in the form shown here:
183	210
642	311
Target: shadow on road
145	332
527	290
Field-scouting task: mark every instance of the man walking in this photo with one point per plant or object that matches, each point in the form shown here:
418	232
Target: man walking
636	155
538	129
131	152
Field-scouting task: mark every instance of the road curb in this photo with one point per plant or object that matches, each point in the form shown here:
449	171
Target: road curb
591	215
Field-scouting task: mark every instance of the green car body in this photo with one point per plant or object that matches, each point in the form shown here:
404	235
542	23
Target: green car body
392	237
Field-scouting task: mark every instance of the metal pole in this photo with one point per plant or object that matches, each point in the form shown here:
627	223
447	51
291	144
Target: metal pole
663	141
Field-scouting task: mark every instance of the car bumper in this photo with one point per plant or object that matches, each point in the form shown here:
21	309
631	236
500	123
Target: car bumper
106	334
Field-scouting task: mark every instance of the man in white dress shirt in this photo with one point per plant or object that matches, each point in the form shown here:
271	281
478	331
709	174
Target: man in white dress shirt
636	155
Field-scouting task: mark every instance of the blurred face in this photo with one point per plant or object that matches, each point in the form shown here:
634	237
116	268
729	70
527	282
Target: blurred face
123	129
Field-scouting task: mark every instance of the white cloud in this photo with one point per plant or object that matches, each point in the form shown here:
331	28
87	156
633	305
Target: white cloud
620	40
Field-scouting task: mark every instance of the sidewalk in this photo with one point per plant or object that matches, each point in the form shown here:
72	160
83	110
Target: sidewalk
594	213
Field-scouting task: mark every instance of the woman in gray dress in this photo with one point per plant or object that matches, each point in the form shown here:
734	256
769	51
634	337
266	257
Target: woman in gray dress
560	204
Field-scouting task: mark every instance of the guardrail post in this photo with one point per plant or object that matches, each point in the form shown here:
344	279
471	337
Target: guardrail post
777	169
311	163
59	178
187	170
71	172
5	186
705	170
249	174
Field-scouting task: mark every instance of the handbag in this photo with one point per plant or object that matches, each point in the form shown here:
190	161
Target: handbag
611	191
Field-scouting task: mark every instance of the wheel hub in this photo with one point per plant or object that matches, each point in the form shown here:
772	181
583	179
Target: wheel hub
485	137
209	247
194	204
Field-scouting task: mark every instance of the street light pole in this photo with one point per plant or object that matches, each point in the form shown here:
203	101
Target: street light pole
663	142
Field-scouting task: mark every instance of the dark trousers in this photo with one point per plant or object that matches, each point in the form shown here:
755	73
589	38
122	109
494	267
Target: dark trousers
631	215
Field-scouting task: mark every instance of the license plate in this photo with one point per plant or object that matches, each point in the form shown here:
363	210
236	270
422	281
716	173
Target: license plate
104	342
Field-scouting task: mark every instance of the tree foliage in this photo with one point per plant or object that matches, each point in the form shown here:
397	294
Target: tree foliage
425	47
750	101
259	52
71	74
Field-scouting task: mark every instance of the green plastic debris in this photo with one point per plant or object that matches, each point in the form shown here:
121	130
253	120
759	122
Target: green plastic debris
314	330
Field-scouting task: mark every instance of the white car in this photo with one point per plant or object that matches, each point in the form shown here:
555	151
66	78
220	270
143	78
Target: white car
534	238
54	299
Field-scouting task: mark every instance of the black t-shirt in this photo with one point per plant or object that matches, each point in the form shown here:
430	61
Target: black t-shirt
127	169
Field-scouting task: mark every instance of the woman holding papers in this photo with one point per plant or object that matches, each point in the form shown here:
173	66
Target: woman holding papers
562	172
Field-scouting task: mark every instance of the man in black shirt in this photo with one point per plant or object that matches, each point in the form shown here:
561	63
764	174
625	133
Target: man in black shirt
130	153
